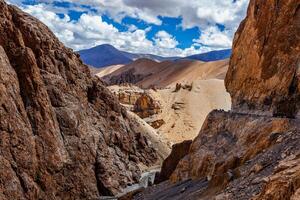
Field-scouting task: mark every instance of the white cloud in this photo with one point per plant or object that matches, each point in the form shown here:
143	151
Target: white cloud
213	37
91	30
165	40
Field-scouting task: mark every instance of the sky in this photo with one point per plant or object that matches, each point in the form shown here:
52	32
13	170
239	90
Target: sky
161	27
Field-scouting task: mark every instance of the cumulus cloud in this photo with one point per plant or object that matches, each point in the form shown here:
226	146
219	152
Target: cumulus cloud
214	38
91	30
165	40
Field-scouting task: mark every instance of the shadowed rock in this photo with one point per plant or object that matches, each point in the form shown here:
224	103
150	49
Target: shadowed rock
170	163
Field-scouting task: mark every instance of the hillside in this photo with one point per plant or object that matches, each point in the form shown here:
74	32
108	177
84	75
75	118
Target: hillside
103	55
212	56
147	73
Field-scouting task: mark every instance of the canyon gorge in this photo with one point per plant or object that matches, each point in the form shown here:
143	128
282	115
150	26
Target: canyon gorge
69	131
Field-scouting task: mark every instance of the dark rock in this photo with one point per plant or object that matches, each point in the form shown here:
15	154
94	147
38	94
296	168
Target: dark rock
170	163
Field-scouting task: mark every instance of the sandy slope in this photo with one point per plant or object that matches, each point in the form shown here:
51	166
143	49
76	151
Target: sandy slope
193	107
186	72
107	70
157	141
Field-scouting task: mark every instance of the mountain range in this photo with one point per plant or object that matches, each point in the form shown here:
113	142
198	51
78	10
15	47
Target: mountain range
107	55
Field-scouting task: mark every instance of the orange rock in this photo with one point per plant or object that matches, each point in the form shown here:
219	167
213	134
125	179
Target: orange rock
145	106
263	76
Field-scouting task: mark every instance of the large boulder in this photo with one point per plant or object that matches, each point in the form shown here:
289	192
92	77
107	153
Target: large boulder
263	76
63	135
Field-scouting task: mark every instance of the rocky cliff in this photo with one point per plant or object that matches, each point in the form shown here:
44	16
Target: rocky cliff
62	134
263	76
251	152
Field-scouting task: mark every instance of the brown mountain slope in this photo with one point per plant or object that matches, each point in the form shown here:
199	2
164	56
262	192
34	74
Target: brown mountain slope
247	153
146	73
62	134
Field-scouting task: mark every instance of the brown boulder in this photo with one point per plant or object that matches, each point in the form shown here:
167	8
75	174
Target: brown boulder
263	76
128	98
145	106
63	135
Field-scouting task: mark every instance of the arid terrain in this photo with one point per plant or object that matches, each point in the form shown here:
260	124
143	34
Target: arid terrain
149	130
182	111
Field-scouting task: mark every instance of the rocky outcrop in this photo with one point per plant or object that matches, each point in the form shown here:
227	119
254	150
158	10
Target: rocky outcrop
263	76
180	86
127	94
169	165
146	106
144	103
63	135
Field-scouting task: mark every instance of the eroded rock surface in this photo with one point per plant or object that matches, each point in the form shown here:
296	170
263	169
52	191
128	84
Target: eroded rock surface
63	135
263	76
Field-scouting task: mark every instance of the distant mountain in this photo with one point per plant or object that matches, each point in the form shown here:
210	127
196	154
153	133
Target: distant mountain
104	55
107	55
212	56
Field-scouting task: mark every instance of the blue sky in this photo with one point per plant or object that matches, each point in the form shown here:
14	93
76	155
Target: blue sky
163	27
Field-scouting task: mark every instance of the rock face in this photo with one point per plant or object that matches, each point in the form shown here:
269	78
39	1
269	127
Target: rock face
169	165
251	152
263	76
127	77
62	134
